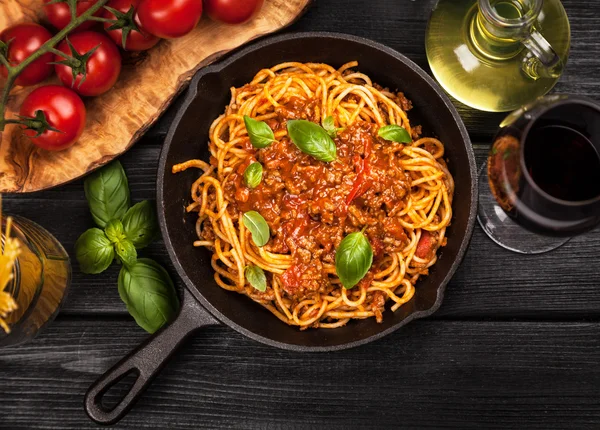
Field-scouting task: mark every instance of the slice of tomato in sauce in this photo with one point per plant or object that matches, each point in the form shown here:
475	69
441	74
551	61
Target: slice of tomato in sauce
426	246
291	278
363	170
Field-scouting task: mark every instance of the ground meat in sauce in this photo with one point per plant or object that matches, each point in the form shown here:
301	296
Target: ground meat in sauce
304	200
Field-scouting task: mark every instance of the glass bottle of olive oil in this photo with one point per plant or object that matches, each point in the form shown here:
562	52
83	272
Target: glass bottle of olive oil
497	55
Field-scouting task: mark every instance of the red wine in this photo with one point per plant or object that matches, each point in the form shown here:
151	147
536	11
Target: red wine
563	163
544	167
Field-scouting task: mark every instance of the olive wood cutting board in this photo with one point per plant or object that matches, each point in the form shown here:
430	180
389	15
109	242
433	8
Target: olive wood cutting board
149	81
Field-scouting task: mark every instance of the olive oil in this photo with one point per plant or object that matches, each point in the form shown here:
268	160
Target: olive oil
487	54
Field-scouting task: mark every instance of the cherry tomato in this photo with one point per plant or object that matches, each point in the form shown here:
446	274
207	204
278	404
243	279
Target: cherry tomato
101	69
232	11
169	19
59	14
27	38
136	40
62	109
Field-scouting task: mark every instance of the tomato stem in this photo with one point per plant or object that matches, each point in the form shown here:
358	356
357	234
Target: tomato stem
100	19
4	61
15	71
56	51
38	123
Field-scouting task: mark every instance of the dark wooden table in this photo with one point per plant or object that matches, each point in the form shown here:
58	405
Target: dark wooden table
516	342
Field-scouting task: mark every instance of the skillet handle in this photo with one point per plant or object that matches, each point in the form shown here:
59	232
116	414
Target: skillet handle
146	361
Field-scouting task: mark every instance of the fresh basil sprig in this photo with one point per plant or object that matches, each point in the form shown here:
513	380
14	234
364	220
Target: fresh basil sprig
126	252
256	277
353	259
144	285
94	251
114	231
149	294
140	224
259	132
312	139
253	174
330	128
258	227
395	133
107	192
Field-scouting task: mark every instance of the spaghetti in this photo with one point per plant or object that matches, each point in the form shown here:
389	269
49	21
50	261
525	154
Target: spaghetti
9	251
400	195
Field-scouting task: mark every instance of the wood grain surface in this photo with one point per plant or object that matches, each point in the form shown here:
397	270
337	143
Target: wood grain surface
475	374
116	120
516	343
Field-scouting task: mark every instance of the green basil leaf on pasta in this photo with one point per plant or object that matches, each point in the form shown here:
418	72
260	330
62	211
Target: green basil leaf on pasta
140	224
126	252
94	251
256	277
258	227
253	174
353	259
395	133
312	139
107	192
259	132
330	128
149	294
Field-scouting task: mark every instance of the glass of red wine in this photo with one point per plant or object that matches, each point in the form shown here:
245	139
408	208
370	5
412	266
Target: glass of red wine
541	183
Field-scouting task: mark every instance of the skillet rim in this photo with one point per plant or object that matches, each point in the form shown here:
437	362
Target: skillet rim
192	93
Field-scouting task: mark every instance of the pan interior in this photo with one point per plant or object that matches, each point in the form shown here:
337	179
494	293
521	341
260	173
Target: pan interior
189	138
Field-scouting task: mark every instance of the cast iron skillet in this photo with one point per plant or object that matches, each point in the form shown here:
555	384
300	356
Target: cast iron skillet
204	303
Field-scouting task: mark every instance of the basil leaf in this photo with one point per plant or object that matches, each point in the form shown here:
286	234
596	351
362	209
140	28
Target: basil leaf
258	227
312	139
353	259
107	192
256	277
330	128
126	252
149	294
114	231
253	174
395	133
259	132
94	251
140	224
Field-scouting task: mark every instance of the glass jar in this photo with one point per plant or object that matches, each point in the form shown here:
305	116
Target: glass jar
41	279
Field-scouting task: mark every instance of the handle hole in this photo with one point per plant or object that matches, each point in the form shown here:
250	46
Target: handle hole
116	392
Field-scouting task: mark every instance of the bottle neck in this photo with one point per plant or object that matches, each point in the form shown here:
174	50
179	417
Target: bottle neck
498	27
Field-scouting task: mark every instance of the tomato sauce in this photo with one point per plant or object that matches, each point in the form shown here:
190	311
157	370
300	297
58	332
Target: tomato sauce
311	205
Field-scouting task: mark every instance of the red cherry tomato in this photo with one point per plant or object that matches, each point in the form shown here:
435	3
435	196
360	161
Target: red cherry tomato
136	40
27	38
101	69
59	14
62	109
169	19
232	11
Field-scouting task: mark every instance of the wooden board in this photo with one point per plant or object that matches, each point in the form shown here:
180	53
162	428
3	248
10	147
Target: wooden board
148	83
